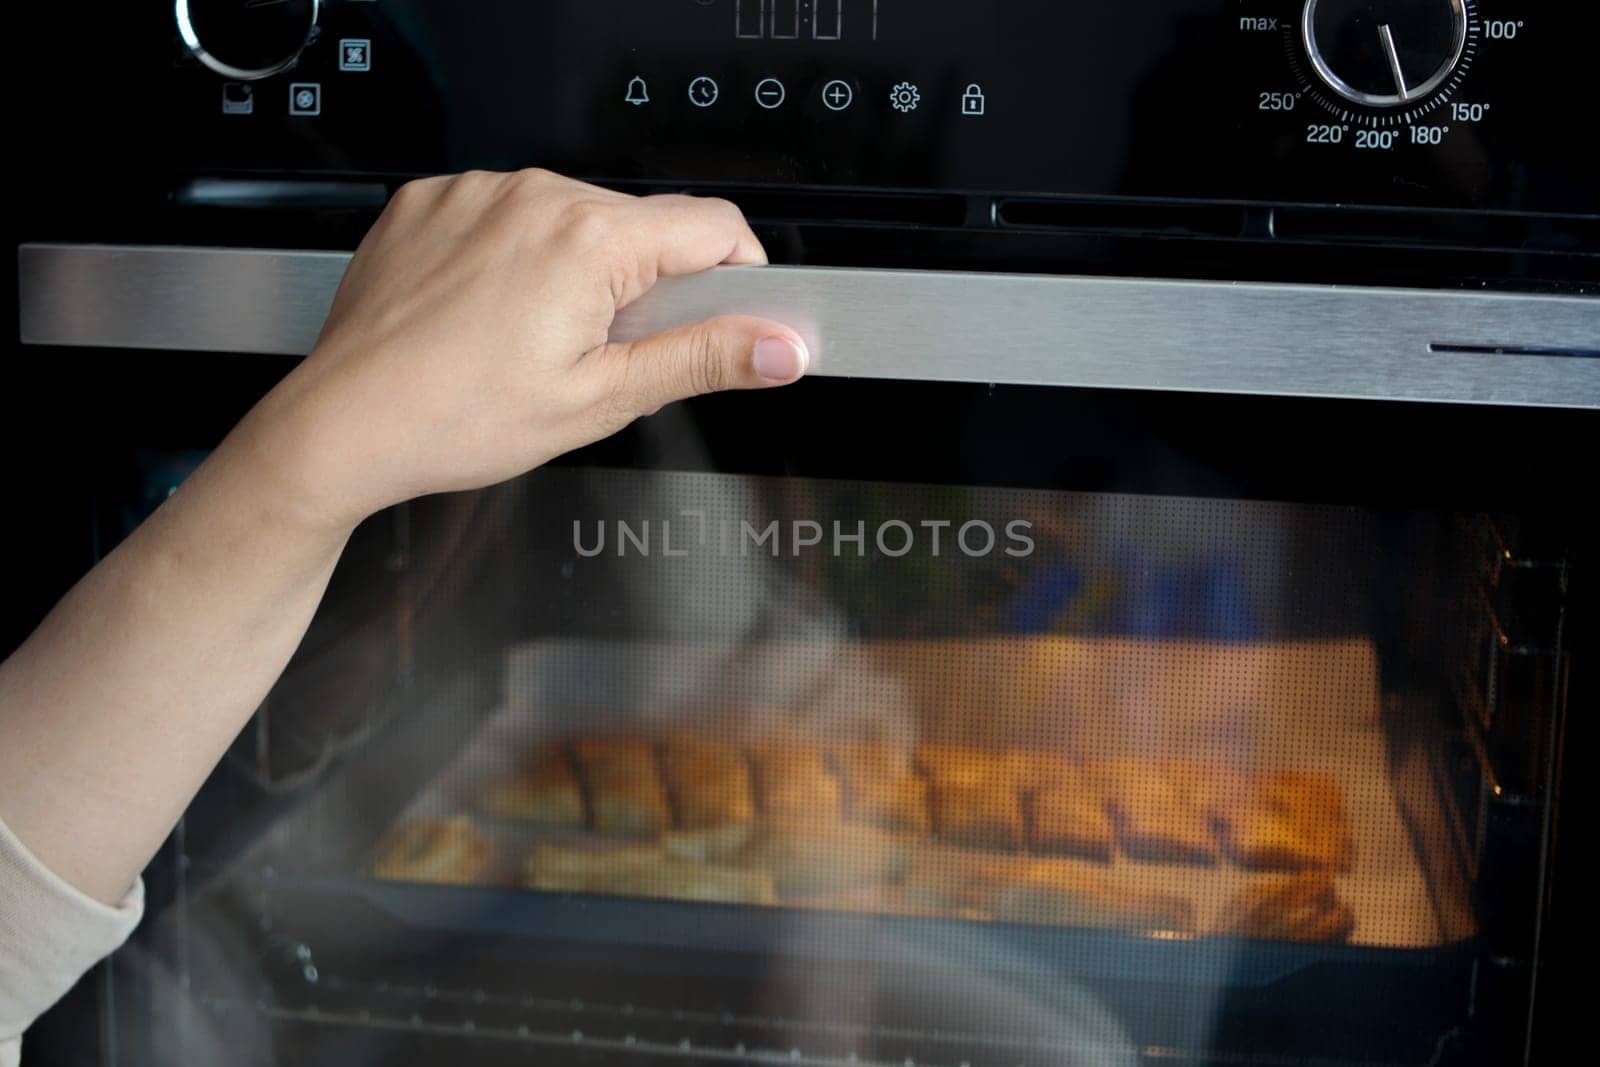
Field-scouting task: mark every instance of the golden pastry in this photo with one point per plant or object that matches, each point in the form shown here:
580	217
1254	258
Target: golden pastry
714	844
546	793
978	816
1298	907
1070	821
1045	892
644	871
1288	822
882	787
959	765
1061	903
707	782
623	786
807	860
1032	770
430	849
792	781
1153	819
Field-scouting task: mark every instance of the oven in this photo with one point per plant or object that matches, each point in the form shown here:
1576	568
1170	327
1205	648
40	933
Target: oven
1161	629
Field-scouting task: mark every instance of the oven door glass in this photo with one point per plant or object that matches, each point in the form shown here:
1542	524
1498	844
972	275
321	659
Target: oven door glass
1031	726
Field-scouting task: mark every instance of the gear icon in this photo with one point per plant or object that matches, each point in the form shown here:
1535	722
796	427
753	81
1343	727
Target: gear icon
905	97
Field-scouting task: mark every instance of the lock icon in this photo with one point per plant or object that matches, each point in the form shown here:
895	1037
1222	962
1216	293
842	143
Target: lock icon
972	101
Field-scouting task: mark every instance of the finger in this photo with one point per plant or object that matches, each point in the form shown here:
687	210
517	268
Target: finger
730	352
674	235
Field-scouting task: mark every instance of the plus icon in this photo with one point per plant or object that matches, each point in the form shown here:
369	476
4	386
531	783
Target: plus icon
837	95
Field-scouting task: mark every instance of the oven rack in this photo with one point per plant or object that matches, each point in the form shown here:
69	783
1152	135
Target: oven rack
582	1026
639	1030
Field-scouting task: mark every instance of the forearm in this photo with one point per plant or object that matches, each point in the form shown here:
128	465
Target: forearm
468	344
116	709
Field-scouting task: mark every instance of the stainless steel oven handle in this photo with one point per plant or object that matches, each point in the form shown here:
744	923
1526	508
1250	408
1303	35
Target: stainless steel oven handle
224	300
1115	333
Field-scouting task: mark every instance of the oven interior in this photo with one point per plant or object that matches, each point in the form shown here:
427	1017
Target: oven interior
689	750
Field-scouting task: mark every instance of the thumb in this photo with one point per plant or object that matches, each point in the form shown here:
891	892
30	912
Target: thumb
728	352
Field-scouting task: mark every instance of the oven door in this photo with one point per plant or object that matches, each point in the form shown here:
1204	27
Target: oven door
1071	671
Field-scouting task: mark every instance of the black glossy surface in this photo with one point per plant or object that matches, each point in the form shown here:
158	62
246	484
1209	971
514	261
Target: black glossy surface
1144	100
1105	99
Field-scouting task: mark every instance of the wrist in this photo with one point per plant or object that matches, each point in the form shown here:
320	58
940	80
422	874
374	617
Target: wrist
284	455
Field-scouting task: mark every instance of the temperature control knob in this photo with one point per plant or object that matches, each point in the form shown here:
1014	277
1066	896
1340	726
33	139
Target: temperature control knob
247	39
1385	53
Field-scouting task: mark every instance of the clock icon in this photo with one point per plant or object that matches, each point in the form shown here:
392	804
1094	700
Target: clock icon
703	91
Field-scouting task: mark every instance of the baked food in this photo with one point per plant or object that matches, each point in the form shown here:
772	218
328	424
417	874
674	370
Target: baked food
1319	809
882	788
1154	821
986	815
808	860
644	871
446	851
1208	788
707	782
608	753
623	786
1051	896
584	869
1288	822
1033	769
1295	907
792	781
714	844
959	765
544	793
974	796
1262	837
1044	892
1070	820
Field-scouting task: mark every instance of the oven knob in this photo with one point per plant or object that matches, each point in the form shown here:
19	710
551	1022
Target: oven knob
247	39
1385	53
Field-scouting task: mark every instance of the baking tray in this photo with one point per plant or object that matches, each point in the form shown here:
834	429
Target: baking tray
1304	706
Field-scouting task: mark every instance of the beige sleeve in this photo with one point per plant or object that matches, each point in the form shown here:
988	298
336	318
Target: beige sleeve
50	934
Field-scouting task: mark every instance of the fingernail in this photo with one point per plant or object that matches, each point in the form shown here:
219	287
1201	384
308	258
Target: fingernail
778	359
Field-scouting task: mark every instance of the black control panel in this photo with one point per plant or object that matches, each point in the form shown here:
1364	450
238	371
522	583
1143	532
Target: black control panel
1448	103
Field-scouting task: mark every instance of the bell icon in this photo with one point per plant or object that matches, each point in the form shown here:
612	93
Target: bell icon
638	92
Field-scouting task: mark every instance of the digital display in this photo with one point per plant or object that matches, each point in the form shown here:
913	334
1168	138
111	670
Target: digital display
816	20
917	29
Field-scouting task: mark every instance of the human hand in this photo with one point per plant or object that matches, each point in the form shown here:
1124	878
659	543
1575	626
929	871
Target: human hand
468	341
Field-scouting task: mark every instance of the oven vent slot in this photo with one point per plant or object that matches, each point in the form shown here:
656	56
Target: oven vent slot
801	206
1569	235
272	194
1125	217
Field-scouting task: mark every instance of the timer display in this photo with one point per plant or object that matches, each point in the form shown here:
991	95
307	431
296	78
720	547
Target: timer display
816	20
